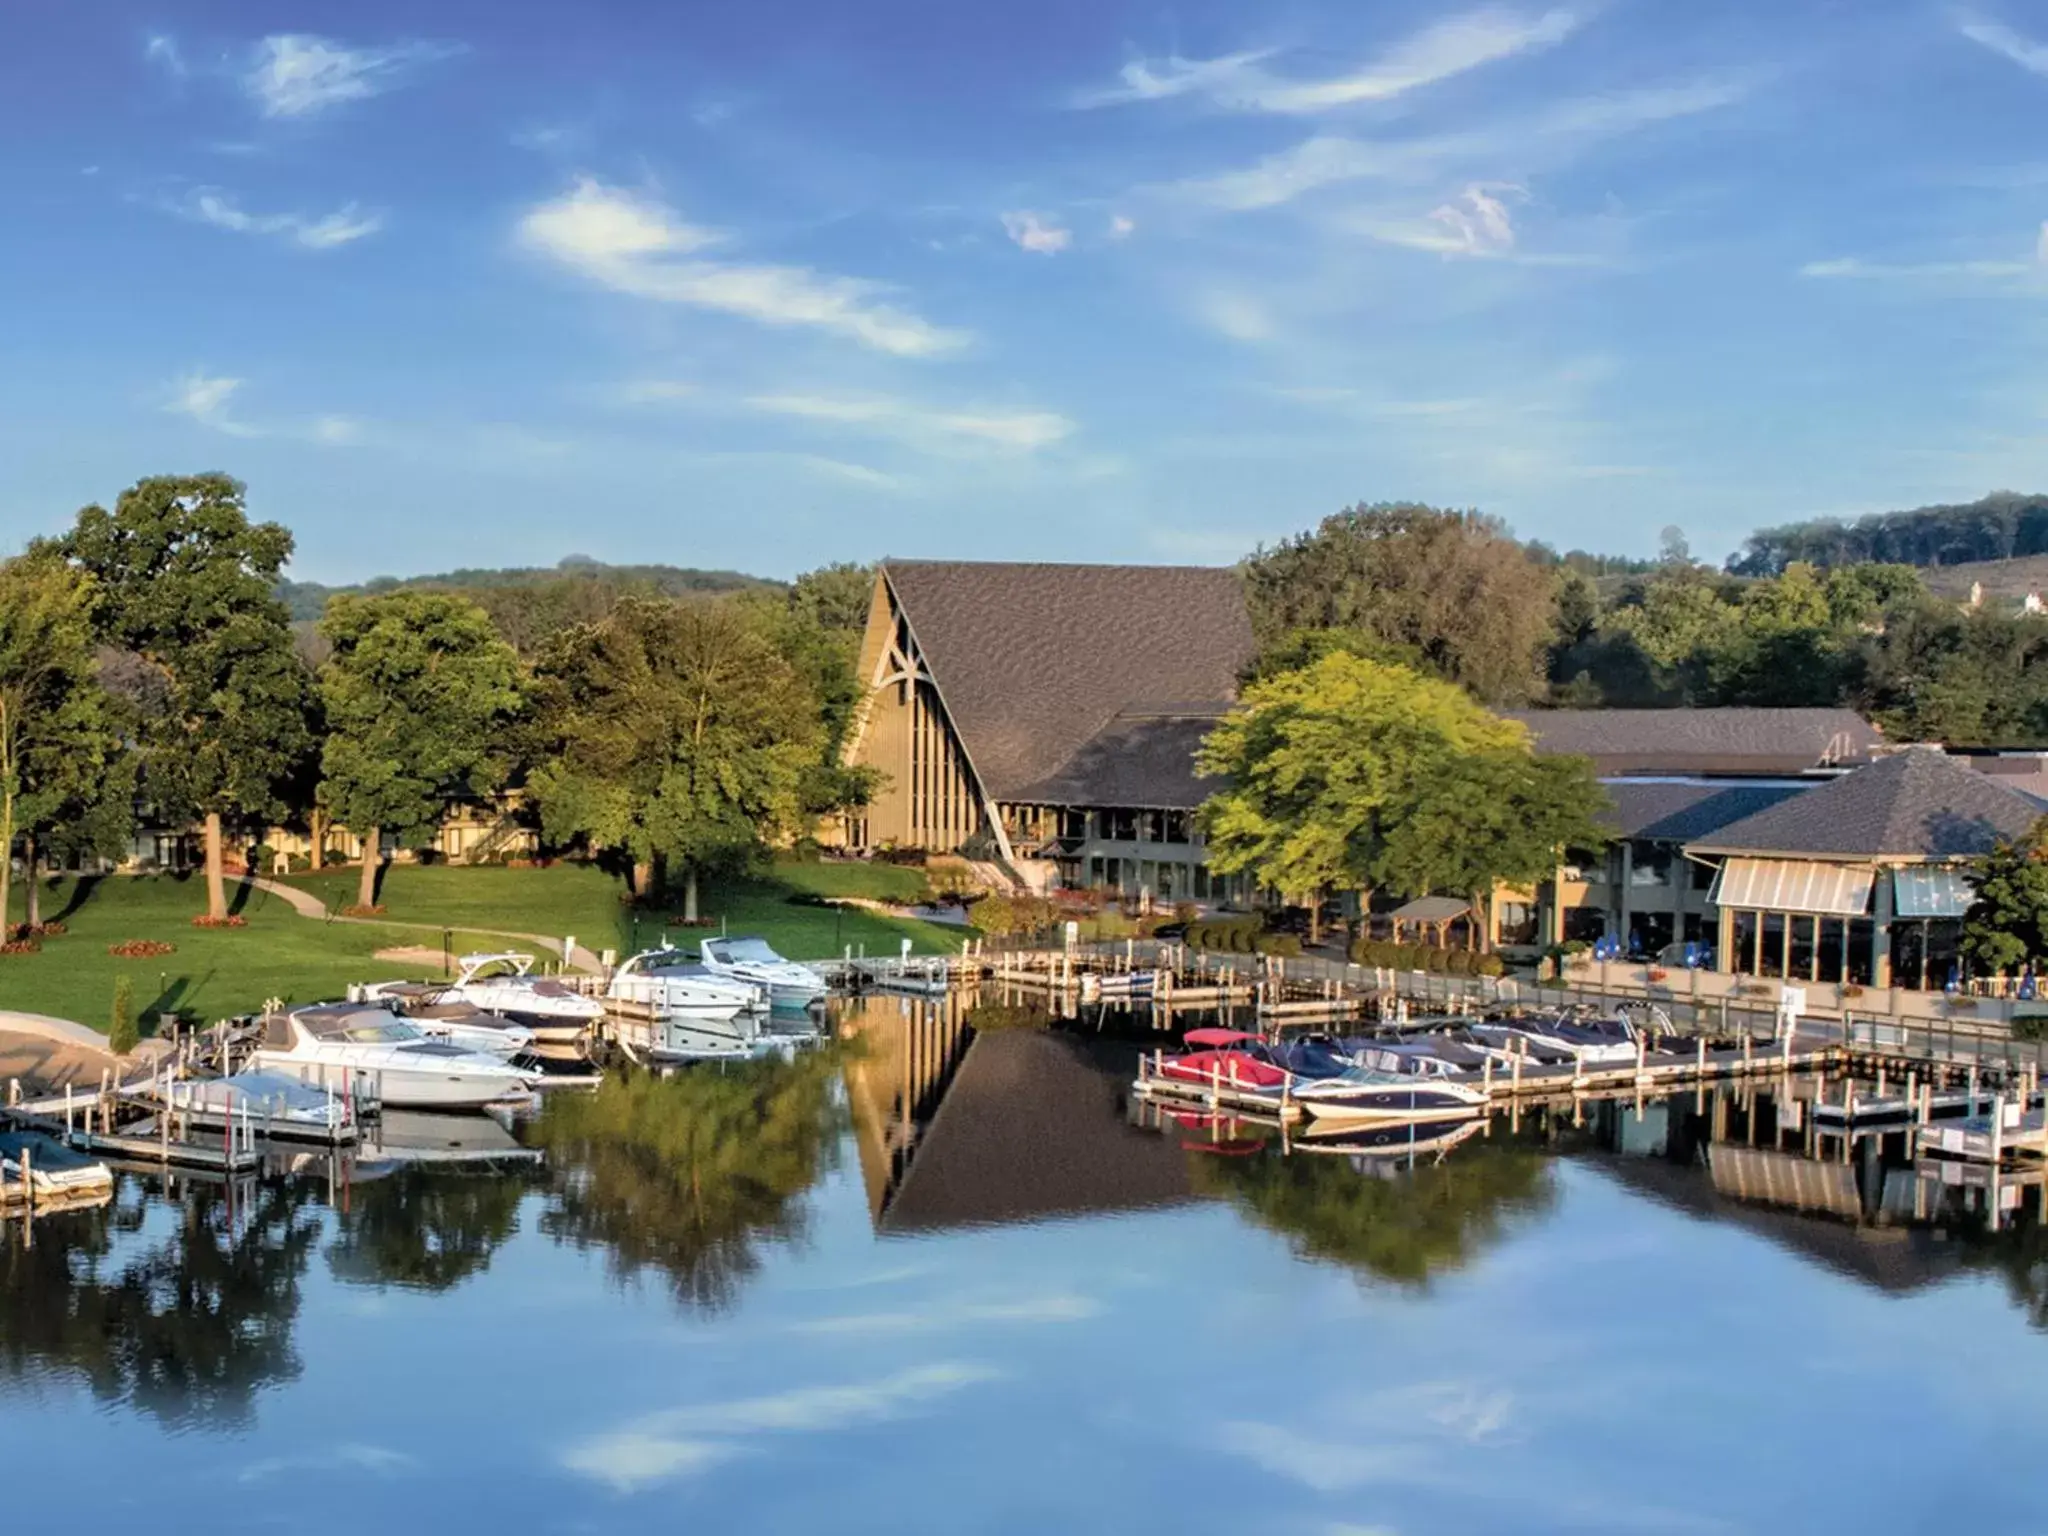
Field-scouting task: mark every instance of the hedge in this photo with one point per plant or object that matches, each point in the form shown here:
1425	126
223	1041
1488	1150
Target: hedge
1384	955
1238	935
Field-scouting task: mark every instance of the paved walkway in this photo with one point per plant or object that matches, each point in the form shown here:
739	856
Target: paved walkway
306	904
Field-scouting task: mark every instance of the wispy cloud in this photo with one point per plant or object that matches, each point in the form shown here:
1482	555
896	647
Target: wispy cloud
295	74
1475	223
1037	232
375	1459
636	245
205	398
161	49
1032	1310
1994	269
1235	316
1328	159
1122	226
1999	38
680	1442
208	205
1023	430
1241	83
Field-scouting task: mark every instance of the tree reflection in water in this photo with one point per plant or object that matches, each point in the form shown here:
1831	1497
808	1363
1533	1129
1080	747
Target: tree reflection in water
424	1228
1395	1223
187	1326
689	1175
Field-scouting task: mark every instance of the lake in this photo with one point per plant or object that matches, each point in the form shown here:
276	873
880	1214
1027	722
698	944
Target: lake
942	1279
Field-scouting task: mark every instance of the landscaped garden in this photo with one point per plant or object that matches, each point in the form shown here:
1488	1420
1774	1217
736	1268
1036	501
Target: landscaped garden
214	972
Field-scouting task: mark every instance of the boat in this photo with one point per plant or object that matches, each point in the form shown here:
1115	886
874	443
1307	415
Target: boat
1362	1096
56	1173
1592	1041
750	960
452	1020
366	1050
276	1104
505	984
1227	1058
1376	1147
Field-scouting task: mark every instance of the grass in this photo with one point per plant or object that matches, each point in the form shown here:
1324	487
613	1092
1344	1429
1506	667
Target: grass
216	972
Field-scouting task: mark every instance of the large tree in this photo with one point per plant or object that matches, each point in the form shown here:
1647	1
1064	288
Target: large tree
2006	927
186	585
1355	774
59	752
673	733
418	692
1451	588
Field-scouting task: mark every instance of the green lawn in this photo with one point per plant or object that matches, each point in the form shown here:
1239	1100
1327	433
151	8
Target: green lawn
216	972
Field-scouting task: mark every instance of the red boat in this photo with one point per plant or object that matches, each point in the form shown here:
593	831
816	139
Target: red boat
1230	1058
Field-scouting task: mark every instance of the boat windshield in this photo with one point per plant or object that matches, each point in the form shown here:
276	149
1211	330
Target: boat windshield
754	951
380	1032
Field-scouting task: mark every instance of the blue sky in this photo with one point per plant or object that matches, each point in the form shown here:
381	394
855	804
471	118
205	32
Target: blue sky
773	284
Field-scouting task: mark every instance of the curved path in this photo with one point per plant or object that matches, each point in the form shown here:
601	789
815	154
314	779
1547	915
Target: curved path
306	904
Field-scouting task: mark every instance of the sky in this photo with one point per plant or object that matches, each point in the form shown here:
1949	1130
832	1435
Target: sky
483	282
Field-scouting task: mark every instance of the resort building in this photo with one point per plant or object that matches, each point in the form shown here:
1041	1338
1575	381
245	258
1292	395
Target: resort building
1862	880
1048	716
1672	776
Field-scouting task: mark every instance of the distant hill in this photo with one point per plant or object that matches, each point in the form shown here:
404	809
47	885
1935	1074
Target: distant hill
308	599
2001	579
2003	526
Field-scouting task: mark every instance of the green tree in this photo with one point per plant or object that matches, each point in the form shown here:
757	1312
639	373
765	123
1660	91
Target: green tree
187	585
673	732
418	693
1352	774
1452	588
57	737
123	1034
2007	924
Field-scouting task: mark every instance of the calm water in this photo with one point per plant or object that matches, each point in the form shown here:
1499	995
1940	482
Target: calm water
944	1282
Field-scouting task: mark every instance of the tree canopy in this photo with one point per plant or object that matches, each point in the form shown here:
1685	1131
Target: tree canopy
1354	774
2006	927
1450	589
673	732
186	584
418	693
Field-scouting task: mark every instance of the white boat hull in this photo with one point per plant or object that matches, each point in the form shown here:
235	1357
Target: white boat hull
455	1087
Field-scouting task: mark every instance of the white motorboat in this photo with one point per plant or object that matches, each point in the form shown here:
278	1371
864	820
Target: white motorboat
696	1012
447	1018
750	960
505	984
274	1104
1362	1096
367	1051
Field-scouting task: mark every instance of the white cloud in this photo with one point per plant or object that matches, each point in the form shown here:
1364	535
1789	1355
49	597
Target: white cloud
683	1441
296	74
1037	232
340	431
1328	159
162	50
1122	226
1857	267
376	1459
205	399
1999	38
1236	316
1037	1309
1438	52
1026	431
324	233
1475	223
635	245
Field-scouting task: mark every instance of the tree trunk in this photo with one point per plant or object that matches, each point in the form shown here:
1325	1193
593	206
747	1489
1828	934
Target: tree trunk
643	878
319	831
1315	918
216	883
33	891
6	862
1482	921
373	853
690	895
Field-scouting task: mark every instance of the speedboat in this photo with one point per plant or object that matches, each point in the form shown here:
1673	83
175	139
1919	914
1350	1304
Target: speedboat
697	1013
365	1050
1594	1041
452	1020
1429	1056
55	1172
1362	1096
275	1104
505	984
750	960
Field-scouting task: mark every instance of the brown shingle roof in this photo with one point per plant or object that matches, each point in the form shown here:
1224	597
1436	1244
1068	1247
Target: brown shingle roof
1916	804
1141	760
1704	740
1032	659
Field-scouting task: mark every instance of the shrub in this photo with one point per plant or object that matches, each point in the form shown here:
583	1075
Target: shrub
1459	962
1489	965
2030	1026
1435	961
122	1034
913	858
1284	945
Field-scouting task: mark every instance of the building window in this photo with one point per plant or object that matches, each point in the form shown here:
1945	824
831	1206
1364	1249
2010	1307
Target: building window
1770	959
1517	921
1073	823
1702	875
1202	883
1834	939
1649	864
1862	939
1801	929
1584	925
1180	827
1743	961
1117	826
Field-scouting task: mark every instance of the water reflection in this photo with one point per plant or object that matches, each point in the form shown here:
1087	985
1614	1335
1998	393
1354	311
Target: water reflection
181	1310
689	1176
424	1228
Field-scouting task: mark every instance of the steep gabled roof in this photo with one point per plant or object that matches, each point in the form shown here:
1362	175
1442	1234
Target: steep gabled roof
1916	804
1034	659
1144	759
1704	740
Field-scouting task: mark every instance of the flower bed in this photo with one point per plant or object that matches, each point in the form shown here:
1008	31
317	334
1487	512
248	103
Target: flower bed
230	921
362	911
141	949
21	946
